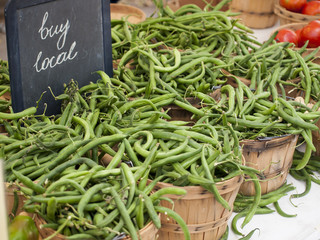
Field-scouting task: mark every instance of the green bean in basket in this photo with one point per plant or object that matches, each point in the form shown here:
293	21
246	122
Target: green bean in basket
190	28
265	113
85	127
276	64
181	149
163	72
99	209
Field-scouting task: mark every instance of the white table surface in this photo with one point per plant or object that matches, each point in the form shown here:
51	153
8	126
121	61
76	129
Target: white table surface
306	225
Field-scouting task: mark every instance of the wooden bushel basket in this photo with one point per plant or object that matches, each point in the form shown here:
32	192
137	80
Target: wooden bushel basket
119	11
206	218
273	157
287	17
255	13
149	232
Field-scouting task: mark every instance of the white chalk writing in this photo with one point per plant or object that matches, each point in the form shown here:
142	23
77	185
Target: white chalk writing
61	31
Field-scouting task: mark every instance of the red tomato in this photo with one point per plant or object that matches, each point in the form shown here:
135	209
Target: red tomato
298	32
293	5
311	8
287	35
311	32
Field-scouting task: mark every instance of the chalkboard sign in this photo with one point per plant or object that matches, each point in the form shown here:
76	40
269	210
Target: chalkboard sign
51	42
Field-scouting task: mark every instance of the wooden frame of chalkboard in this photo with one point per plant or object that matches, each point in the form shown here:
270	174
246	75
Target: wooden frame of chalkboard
50	42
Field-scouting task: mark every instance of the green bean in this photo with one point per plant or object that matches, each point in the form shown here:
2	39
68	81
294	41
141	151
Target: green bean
243	213
294	120
124	214
281	212
60	168
254	207
231	95
28	182
140	213
306	72
194	62
77	236
249	235
85	199
177	57
11	116
189	108
304	161
52	208
60	182
198	136
308	185
174	158
96	142
148	203
148	161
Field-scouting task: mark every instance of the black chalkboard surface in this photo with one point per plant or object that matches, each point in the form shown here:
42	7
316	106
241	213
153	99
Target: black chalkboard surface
51	42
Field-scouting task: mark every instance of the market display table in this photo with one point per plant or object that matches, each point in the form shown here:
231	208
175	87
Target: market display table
305	226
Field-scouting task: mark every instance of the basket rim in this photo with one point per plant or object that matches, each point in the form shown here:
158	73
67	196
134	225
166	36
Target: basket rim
40	221
136	12
268	143
292	15
225	186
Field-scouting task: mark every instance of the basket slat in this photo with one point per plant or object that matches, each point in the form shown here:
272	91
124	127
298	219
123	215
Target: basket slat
273	157
206	218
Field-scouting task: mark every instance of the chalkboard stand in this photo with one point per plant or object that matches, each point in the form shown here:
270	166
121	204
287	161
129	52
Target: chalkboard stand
87	43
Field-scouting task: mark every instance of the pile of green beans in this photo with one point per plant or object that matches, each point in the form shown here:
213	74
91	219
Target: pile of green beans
83	200
167	71
199	155
189	28
279	65
37	144
159	149
261	113
32	153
